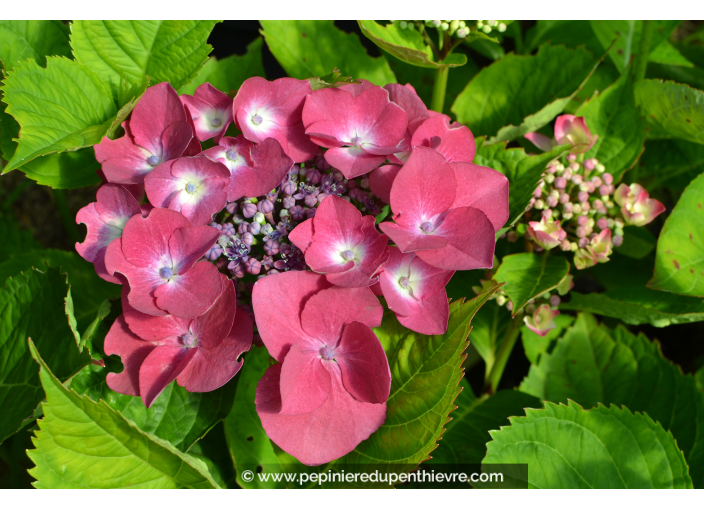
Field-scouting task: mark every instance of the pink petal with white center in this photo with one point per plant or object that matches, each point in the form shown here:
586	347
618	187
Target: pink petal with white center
365	370
209	369
411	238
432	316
211	111
101	270
326	313
213	326
329	432
353	161
160	368
146	240
194	147
484	189
278	301
132	351
470	241
195	187
190	294
115	205
424	188
406	97
188	244
122	160
264	109
542	142
357	88
99	234
381	179
305	384
302	235
455	142
151	327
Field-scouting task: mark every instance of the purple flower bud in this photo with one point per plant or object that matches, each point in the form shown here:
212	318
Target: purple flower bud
564	198
582	196
253	266
560	182
310	201
297	213
215	225
236	269
284	248
555	301
604	190
227	229
551	201
231	207
289	202
272	196
280	265
313	176
249	210
590	164
243	228
352	185
265	206
602	223
583	242
289	188
582	220
247	239
582	233
271	247
213	252
617	241
272	271
255	228
608	178
364	183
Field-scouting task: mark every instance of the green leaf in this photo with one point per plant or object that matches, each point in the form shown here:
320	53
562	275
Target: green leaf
20	40
14	239
249	445
83	444
522	93
672	163
61	108
566	446
227	74
489	327
625	36
614	117
666	53
177	416
466	436
592	365
88	290
571	33
65	170
639	305
122	53
32	305
527	276
307	48
523	171
407	45
673	108
9	130
679	260
638	242
535	345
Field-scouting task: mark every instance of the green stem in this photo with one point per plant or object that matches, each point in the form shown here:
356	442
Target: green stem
438	102
497	370
67	218
641	62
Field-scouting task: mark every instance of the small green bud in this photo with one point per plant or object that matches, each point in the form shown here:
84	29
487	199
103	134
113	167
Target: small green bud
502	27
486	29
403	24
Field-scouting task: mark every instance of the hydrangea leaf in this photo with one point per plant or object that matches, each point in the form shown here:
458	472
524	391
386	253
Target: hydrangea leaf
84	444
307	48
679	260
32	305
35	39
625	36
61	108
68	170
638	243
672	163
15	240
523	171
227	74
177	416
407	45
592	364
521	93
666	53
527	276
673	108
535	345
466	436
123	52
489	327
614	117
567	446
88	290
571	33
639	305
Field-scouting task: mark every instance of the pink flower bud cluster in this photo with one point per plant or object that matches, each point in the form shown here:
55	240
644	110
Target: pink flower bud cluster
275	220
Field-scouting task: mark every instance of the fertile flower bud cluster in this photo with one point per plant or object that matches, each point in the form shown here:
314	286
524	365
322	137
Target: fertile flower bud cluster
457	28
276	221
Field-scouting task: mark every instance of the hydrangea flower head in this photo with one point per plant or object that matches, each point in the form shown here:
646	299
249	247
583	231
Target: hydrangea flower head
329	390
211	111
158	255
341	243
158	130
636	205
201	354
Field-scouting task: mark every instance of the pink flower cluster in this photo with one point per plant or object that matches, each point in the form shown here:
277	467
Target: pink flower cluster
283	160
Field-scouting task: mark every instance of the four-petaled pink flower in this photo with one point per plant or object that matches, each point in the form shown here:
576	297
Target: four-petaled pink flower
598	250
341	243
447	213
415	292
360	131
201	354
542	321
211	111
158	130
264	109
255	169
329	390
105	219
195	187
636	205
546	233
159	257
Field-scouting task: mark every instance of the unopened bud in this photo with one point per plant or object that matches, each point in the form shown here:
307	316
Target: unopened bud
560	182
555	301
486	29
502	27
549	178
617	240
564	198
600	168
